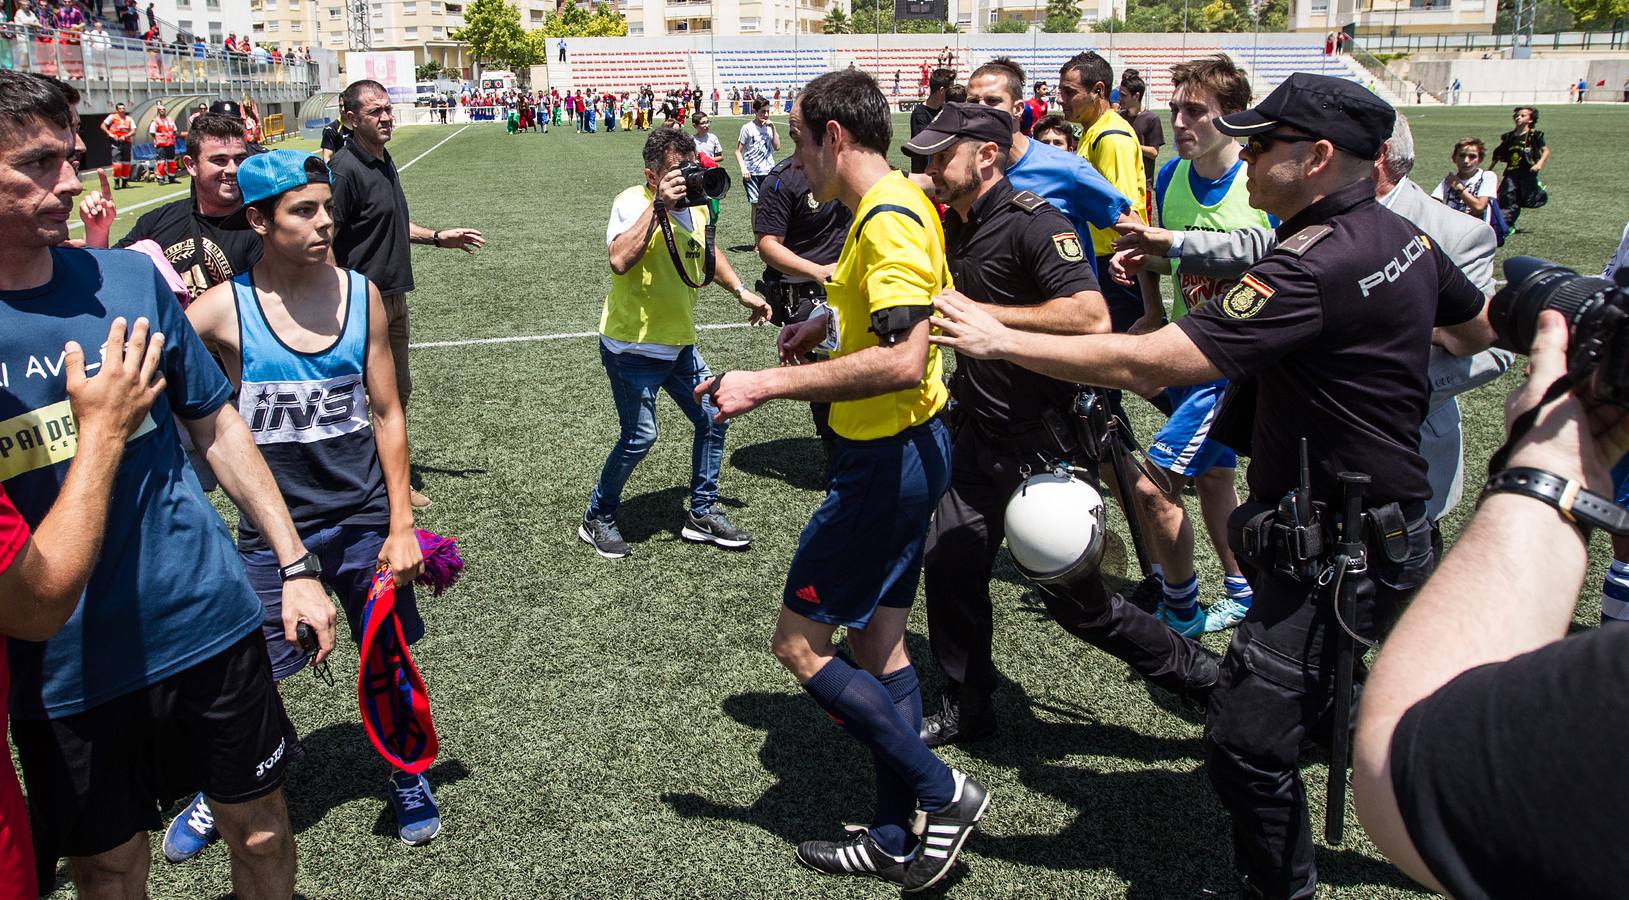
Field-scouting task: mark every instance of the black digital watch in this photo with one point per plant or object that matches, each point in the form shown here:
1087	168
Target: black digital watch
306	566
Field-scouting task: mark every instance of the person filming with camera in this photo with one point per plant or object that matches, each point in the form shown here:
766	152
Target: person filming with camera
1488	750
661	249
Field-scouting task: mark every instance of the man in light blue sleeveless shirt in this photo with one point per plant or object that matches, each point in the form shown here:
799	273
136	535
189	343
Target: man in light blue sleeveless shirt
307	345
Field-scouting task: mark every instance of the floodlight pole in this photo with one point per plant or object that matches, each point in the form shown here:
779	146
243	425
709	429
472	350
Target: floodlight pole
358	33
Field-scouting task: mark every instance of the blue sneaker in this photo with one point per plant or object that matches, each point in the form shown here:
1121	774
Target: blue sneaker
1224	614
1192	627
190	832
418	820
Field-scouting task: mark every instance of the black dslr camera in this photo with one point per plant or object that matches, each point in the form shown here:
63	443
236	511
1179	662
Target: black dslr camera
1597	311
702	184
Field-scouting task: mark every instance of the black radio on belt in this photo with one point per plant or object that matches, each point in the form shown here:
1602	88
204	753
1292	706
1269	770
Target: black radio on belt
1286	539
786	297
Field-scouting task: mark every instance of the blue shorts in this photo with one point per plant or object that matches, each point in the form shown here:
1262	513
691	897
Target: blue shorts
754	184
1183	445
863	547
348	555
1620	482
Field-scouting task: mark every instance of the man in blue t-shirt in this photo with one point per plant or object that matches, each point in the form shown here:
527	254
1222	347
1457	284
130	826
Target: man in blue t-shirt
158	684
1063	179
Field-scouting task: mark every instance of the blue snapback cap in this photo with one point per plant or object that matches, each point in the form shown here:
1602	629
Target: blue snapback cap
267	175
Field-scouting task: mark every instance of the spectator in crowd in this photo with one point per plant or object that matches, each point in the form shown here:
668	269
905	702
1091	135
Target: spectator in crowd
1469	188
193	681
1146	123
935	87
372	229
1523	151
1055	131
755	150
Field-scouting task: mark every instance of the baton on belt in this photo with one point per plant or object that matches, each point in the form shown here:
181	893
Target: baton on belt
1350	559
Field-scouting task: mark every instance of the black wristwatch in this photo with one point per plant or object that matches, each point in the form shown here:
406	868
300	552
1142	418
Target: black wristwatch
1582	508
304	567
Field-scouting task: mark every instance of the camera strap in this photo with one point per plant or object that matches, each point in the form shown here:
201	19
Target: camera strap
1524	422
709	259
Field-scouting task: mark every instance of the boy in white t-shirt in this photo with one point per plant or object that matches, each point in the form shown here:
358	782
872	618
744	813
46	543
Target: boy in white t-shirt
1469	188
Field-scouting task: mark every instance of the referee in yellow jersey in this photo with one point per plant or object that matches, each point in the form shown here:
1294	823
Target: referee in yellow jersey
859	558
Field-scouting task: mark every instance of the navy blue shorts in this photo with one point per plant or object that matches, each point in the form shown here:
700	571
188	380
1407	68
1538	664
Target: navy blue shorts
348	555
863	547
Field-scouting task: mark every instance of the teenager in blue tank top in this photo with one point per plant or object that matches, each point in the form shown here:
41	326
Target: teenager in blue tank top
307	346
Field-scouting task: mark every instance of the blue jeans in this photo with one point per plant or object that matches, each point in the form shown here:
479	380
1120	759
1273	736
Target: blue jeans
635	382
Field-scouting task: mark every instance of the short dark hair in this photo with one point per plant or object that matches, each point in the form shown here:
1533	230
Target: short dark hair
351	100
1007	68
1218	76
760	103
956	93
1532	113
941	79
24	98
1055	122
1131	82
852	99
211	125
663	141
1473	142
1091	68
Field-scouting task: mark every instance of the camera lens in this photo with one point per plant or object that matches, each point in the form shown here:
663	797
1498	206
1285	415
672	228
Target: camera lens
1535	285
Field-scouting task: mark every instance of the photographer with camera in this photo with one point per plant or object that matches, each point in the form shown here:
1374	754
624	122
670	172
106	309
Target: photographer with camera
661	248
1489	746
1326	342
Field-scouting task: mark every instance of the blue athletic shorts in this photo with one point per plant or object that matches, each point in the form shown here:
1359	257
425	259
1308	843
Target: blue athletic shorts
1183	445
348	555
1620	482
863	547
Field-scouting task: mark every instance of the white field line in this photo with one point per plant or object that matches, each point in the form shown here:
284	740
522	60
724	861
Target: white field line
531	338
171	196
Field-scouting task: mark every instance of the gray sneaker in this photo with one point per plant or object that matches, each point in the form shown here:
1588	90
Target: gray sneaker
603	536
713	528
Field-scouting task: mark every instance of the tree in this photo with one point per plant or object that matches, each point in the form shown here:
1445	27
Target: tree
836	21
1597	12
572	20
492	30
1062	17
1008	26
428	71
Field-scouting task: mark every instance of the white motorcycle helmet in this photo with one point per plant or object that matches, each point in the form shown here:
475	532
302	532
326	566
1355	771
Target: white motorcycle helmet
1055	528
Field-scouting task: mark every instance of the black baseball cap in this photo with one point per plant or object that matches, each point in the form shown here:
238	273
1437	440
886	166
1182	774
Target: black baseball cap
226	108
1337	110
963	120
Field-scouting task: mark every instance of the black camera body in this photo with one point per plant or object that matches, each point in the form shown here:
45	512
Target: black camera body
702	184
1597	313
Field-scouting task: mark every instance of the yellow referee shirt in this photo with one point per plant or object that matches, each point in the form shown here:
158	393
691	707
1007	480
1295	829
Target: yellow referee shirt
895	260
1111	146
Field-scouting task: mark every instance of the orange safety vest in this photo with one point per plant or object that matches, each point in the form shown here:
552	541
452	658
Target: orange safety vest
122	127
163	132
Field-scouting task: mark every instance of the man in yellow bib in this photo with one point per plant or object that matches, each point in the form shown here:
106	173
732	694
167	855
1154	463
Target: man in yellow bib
860	557
648	341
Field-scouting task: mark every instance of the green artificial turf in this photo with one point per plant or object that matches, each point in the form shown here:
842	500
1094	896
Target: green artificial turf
619	729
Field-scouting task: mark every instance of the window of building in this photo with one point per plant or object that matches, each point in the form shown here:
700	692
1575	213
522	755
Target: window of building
296	25
259	27
183	4
212	4
636	28
679	27
749	23
272	25
435	7
537	15
410	9
412	33
184	25
455	9
217	33
438	32
333	12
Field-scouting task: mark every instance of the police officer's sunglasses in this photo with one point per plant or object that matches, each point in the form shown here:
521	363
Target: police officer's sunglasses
1258	144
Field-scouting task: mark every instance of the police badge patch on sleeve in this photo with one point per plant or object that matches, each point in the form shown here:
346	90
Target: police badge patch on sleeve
1246	298
1068	246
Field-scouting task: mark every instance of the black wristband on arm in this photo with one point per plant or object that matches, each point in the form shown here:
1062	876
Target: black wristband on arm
1578	506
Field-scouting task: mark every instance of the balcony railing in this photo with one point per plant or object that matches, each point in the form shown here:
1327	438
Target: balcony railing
94	61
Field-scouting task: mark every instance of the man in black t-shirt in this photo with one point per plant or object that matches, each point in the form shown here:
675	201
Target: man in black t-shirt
333	138
189	230
799	240
1524	153
939	84
1331	335
1489	747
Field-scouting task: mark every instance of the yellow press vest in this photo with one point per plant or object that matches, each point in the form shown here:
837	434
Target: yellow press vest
650	303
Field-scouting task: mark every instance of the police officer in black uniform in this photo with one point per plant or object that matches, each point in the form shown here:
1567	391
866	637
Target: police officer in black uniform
799	240
1018	258
1328	338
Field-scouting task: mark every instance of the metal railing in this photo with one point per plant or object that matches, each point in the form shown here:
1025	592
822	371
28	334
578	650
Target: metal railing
1617	39
119	64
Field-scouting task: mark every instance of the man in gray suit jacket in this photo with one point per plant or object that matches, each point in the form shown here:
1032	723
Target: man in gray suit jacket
1466	240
